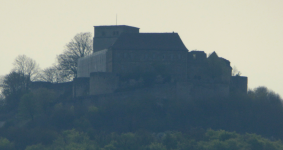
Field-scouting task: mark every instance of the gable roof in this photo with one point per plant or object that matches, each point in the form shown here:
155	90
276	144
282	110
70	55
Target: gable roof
149	41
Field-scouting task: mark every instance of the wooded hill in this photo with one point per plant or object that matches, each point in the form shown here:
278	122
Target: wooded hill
40	119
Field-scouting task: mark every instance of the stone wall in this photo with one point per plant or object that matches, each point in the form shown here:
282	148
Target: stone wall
239	84
209	70
95	62
162	92
196	67
103	83
62	89
210	90
81	87
169	91
172	62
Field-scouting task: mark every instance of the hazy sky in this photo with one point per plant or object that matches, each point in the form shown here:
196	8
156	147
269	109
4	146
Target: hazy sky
249	33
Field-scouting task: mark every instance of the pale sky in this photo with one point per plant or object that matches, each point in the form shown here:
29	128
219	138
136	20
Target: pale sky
249	33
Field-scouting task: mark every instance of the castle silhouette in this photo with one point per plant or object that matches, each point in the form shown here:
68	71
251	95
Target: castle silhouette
124	59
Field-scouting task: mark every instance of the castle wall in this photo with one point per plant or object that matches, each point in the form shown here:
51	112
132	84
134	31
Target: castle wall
80	87
95	62
162	92
172	62
62	89
102	43
210	90
109	61
204	70
239	84
196	67
102	83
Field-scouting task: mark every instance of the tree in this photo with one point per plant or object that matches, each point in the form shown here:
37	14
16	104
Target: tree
5	144
27	66
28	106
53	75
235	71
37	102
79	46
2	98
14	85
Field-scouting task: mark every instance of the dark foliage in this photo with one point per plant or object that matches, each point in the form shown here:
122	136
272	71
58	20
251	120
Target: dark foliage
15	85
144	121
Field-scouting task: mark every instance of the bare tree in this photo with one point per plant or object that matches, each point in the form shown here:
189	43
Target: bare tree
235	71
27	66
79	46
1	80
53	75
1	89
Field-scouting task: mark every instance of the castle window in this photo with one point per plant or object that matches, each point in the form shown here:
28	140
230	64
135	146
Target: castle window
115	32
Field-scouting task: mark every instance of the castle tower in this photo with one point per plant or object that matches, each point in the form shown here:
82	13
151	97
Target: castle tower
105	36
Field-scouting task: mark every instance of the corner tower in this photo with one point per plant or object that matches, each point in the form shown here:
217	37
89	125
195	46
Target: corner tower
105	36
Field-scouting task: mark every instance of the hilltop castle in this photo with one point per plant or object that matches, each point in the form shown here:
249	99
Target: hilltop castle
124	59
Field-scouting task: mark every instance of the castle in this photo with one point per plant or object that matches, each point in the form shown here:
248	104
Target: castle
124	59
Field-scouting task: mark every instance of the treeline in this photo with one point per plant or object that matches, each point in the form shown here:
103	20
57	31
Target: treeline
143	140
25	70
42	118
